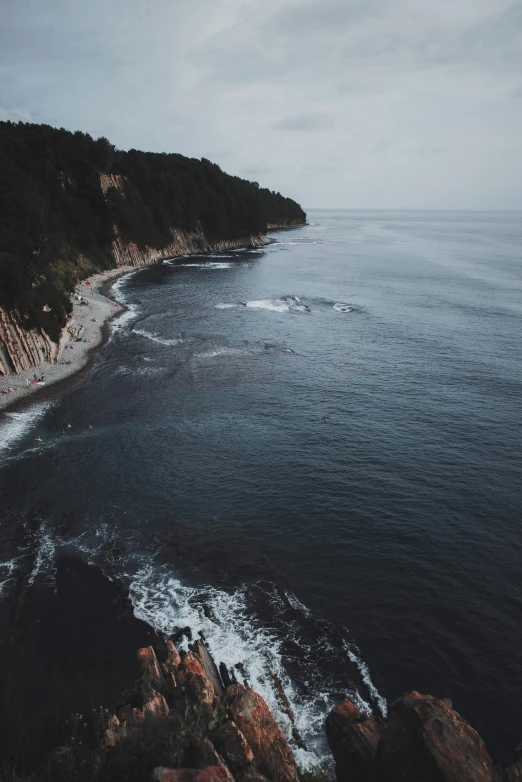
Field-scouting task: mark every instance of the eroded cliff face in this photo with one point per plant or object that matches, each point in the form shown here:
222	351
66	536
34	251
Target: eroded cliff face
129	254
21	348
423	740
179	723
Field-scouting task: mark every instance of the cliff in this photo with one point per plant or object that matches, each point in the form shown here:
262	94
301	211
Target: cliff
185	720
71	206
178	723
423	740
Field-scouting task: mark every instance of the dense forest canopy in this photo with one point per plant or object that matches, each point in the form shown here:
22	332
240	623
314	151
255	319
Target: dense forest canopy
57	225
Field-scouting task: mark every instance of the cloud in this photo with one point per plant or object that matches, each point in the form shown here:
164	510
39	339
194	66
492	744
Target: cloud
317	121
14	115
379	102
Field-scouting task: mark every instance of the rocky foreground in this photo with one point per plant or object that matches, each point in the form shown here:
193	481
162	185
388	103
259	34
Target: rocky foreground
187	721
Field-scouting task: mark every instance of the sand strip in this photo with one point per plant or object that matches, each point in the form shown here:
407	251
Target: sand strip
83	334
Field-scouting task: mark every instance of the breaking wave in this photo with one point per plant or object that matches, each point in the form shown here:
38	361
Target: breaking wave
254	629
236	636
153	336
131	310
283	304
15	425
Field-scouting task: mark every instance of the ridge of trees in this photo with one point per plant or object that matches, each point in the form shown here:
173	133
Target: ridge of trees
57	225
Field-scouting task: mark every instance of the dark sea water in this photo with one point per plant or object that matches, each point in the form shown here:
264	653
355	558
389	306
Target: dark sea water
373	552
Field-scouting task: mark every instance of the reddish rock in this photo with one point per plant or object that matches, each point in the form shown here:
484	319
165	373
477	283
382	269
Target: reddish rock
156	705
151	678
173	659
232	745
427	740
272	755
199	753
208	774
353	739
192	677
112	731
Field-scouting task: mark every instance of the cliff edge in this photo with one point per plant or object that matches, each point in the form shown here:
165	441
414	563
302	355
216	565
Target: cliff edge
72	206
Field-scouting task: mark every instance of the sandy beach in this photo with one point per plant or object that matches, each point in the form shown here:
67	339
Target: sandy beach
84	333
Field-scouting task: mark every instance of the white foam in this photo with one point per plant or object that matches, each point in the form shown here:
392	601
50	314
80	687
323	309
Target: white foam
15	425
365	674
223	351
153	336
296	603
118	291
284	304
206	265
233	636
225	306
44	559
342	307
7	571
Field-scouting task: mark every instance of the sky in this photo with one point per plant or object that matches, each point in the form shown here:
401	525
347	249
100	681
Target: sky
383	104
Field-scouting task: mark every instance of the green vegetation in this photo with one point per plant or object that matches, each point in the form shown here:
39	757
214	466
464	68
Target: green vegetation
57	226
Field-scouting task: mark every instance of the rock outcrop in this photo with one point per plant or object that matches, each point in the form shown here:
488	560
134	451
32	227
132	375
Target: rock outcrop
178	723
22	348
129	254
423	739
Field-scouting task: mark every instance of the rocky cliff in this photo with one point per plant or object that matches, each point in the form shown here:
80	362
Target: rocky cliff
185	720
22	347
178	723
71	205
423	740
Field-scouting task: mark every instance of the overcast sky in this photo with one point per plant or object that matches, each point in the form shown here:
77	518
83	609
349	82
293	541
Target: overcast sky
336	103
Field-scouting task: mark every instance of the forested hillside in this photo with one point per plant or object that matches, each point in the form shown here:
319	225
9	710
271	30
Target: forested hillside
64	197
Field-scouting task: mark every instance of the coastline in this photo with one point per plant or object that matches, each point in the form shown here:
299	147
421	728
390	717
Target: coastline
70	366
76	353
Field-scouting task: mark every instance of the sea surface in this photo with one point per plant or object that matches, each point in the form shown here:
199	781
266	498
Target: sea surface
311	453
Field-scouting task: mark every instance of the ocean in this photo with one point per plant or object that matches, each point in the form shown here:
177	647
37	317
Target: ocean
308	452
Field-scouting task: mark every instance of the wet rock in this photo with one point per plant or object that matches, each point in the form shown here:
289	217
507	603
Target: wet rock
425	739
199	753
272	755
232	745
225	675
192	677
209	666
152	678
353	739
156	705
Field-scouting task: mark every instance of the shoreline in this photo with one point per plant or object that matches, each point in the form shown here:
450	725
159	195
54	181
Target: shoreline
58	374
71	366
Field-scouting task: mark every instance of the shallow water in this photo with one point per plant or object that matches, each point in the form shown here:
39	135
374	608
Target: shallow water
311	453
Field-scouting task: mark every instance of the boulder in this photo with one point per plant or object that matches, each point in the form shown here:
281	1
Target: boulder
191	676
425	739
272	755
353	739
232	745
